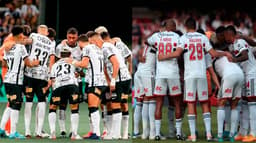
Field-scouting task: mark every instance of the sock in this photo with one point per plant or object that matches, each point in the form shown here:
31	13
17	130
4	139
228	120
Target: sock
145	118
62	119
5	117
36	118
157	126
52	121
252	114
192	124
103	117
74	118
207	123
14	120
109	122
220	120
90	124
95	118
234	119
227	118
116	125
151	110
244	121
137	117
178	126
41	114
125	124
27	117
171	119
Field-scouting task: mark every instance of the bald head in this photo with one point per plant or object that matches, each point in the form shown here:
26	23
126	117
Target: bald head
170	25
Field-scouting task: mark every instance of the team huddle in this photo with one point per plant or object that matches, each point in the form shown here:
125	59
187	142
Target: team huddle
36	65
174	64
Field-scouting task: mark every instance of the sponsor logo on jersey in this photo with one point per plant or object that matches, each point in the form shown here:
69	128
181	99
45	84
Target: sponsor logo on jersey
190	94
145	89
158	88
228	90
174	88
204	93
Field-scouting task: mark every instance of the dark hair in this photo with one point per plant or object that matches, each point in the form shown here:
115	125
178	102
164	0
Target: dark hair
178	32
65	54
104	35
52	33
220	29
90	34
200	31
83	38
231	28
72	30
26	30
190	23
16	30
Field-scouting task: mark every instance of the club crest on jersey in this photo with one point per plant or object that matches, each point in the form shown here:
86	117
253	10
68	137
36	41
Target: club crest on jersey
158	88
228	90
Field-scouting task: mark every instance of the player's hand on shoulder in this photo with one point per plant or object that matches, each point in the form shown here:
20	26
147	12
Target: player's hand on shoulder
64	42
35	62
69	60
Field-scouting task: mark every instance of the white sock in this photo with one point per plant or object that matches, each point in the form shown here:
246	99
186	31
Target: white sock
192	124
90	124
116	125
95	118
103	117
151	113
74	118
137	117
244	120
207	122
158	127
234	120
227	118
220	119
62	119
252	112
171	119
27	117
52	121
14	120
5	117
125	124
41	114
109	122
36	118
178	126
145	118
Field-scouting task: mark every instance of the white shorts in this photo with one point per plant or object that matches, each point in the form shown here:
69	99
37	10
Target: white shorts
231	87
148	84
138	88
250	87
196	86
163	85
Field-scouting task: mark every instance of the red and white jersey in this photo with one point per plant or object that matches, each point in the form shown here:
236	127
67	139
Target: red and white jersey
166	42
224	68
194	44
148	68
248	66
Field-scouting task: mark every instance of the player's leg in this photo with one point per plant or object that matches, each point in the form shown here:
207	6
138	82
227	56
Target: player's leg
190	98
243	119
5	118
15	100
175	94
227	120
171	112
104	110
41	96
159	92
28	82
108	117
202	92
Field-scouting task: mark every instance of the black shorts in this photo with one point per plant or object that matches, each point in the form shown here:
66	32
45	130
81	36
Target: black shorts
122	87
65	94
14	92
34	86
97	90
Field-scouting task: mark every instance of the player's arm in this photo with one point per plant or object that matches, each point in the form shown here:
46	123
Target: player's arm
174	54
249	40
142	58
115	65
29	63
4	63
82	64
215	53
106	75
243	56
214	77
129	61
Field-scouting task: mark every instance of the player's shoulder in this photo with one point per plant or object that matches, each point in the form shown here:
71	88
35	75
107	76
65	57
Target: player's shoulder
240	42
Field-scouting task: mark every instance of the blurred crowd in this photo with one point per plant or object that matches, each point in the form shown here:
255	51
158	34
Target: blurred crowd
142	27
17	12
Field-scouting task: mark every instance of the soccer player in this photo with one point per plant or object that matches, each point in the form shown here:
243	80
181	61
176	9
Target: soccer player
16	57
244	56
76	53
167	74
119	100
36	78
65	89
194	44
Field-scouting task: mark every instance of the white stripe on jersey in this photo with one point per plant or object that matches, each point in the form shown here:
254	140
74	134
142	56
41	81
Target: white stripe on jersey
63	74
14	58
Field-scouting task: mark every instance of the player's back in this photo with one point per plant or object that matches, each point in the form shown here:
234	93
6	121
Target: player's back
149	66
125	51
166	42
194	44
63	74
